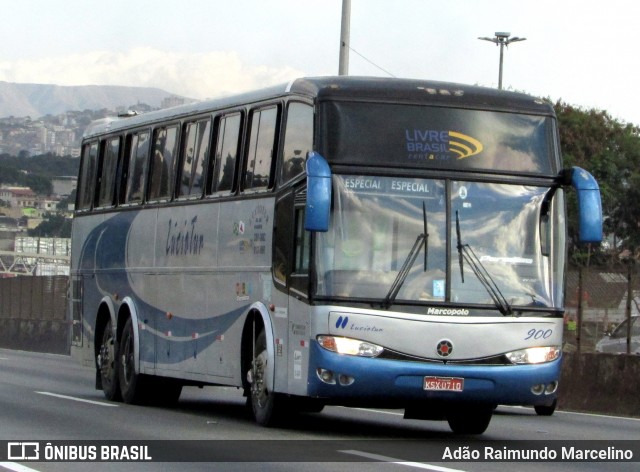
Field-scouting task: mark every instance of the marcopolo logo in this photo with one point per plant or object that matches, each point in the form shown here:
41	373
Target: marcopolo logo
425	144
448	311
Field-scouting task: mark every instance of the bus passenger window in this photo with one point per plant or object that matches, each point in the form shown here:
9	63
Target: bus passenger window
138	152
298	140
195	155
226	154
87	176
164	150
261	149
107	171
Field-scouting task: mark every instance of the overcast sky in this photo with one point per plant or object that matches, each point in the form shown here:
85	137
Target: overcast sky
584	52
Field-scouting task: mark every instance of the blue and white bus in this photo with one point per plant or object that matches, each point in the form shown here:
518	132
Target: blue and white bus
336	241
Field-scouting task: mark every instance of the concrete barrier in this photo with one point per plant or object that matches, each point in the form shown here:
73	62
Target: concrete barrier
35	335
33	314
600	383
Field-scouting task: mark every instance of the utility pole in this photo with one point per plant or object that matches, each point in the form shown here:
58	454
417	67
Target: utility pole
502	40
345	32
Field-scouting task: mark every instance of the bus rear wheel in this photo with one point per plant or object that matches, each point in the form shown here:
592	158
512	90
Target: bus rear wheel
106	363
469	419
132	384
266	405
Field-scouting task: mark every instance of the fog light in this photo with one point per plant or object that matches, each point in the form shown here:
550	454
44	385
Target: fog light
537	389
326	376
345	380
551	388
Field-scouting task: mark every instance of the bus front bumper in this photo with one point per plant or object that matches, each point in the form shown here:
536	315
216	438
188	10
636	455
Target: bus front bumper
353	380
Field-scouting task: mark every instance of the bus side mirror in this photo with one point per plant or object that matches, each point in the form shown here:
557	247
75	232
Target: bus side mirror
589	205
318	206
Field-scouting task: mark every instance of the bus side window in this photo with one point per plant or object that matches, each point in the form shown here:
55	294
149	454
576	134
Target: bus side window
136	174
195	154
226	155
299	281
302	243
109	152
161	176
261	149
298	140
86	188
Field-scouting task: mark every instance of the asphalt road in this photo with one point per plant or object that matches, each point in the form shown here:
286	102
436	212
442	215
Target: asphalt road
49	399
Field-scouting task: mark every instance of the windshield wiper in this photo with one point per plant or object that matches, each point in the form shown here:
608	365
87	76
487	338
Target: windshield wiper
466	253
408	262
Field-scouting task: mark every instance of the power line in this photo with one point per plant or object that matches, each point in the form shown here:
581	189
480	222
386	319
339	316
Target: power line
371	62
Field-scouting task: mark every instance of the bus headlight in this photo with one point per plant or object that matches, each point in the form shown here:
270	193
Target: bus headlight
534	355
351	347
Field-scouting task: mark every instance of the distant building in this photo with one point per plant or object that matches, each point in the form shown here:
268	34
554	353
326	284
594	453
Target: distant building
18	196
22	201
65	185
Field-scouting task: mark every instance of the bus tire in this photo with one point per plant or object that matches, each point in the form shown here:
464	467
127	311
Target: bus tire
469	419
163	391
132	384
266	405
546	410
107	364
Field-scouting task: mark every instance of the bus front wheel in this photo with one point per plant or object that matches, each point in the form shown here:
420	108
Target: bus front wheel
469	419
265	404
546	410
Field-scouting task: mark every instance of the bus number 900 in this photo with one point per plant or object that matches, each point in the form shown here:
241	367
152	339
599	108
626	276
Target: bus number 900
538	334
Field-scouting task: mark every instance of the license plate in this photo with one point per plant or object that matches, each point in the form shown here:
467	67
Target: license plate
447	384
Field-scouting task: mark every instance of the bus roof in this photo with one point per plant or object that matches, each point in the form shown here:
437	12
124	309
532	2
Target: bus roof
423	92
391	90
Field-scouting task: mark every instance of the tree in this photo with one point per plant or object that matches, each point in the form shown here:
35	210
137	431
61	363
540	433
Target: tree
53	226
610	150
36	172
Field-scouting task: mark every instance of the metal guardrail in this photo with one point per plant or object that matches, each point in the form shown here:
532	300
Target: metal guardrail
24	263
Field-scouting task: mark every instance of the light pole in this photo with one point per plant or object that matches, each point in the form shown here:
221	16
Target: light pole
502	40
345	33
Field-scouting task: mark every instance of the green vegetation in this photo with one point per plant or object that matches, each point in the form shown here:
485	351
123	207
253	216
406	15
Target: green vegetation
53	226
36	172
610	150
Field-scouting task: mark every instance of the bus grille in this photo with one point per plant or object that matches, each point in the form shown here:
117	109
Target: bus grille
398	356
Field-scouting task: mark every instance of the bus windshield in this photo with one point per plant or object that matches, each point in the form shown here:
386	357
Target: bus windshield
376	221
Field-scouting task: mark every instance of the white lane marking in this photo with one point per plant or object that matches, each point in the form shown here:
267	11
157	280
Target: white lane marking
515	407
16	467
373	411
597	415
75	399
565	412
417	465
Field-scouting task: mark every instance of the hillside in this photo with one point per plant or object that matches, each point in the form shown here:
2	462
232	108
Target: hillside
36	100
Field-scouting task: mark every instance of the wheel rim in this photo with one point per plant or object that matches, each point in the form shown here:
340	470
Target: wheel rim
106	357
259	391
